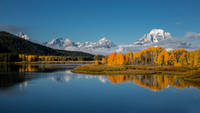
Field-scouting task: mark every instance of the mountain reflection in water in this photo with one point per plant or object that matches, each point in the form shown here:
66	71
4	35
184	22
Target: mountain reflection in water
21	74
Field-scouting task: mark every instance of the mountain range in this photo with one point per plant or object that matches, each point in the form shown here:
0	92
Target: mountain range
60	43
10	43
156	37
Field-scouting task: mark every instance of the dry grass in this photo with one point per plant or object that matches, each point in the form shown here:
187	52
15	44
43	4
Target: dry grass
129	69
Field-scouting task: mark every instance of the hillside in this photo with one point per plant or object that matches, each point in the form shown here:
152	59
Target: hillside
13	44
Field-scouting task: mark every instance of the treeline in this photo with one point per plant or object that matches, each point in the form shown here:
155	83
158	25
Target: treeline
12	57
9	57
155	56
31	58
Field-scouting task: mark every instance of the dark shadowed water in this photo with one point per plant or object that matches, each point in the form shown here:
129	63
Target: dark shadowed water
54	89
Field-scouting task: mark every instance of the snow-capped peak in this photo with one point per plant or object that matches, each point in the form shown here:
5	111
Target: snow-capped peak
68	42
154	36
56	41
156	31
104	43
103	39
59	43
22	35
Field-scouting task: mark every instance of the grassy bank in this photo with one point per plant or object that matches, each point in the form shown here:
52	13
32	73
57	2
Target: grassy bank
50	62
130	70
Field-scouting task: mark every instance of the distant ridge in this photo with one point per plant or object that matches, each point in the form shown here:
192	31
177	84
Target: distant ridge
13	44
60	43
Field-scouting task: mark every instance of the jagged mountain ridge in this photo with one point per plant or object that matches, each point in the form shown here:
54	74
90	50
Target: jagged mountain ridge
154	36
60	43
22	35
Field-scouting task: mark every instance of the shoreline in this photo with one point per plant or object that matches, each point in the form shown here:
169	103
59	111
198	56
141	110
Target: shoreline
50	62
127	70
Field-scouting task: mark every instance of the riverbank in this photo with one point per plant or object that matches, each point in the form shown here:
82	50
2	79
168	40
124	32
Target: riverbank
50	62
130	70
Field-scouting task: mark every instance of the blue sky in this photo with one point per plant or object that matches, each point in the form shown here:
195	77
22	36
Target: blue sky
122	21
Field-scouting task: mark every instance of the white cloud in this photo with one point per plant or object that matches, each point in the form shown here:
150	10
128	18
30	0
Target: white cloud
168	44
178	23
191	36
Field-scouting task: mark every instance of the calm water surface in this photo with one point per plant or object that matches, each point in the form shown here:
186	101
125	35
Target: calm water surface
54	89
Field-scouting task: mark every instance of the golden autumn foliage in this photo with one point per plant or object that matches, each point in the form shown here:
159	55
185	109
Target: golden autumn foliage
120	59
104	61
163	58
154	82
34	58
111	59
96	62
156	56
28	58
128	58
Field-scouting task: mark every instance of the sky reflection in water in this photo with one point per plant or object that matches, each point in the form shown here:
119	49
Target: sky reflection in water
53	88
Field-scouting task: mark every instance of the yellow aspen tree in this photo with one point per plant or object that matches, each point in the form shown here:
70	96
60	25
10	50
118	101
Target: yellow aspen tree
160	59
183	59
128	58
103	60
136	57
172	59
166	58
111	58
96	62
120	59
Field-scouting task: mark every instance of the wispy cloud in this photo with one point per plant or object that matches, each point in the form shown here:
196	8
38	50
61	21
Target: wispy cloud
178	23
168	44
55	33
191	36
12	28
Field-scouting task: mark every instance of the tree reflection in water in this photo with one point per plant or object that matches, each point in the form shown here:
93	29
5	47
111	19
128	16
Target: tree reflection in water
154	82
11	75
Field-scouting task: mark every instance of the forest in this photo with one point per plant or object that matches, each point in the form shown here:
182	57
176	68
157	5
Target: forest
13	57
155	56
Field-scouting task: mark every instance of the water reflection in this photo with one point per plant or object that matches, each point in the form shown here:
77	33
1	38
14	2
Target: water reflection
13	75
154	82
35	67
68	76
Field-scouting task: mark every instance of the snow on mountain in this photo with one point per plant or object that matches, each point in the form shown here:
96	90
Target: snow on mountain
154	36
57	41
63	44
68	76
104	43
22	35
67	43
